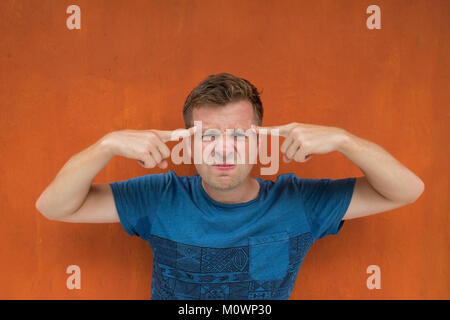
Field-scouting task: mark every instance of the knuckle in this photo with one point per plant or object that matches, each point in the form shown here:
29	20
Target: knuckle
157	157
151	163
166	153
146	146
296	133
152	139
152	136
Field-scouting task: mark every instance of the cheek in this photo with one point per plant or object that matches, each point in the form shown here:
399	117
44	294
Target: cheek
203	145
251	149
208	148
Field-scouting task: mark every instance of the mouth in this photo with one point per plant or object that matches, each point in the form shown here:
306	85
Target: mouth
224	166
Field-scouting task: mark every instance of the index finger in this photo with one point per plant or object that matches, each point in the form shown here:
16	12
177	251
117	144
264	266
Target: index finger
282	130
175	135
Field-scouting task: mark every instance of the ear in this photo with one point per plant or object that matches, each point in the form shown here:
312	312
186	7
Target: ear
262	141
189	143
258	140
187	147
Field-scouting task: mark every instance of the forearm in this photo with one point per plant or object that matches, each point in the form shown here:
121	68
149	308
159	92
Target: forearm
68	190
385	174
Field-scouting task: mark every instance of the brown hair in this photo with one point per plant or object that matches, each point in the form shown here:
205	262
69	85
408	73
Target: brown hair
219	90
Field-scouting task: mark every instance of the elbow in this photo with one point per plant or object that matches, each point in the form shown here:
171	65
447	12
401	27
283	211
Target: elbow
53	215
420	190
40	208
38	205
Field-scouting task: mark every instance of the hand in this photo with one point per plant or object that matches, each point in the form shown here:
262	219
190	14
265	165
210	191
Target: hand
147	146
303	140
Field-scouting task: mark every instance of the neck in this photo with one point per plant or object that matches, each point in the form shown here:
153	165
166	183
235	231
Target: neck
245	192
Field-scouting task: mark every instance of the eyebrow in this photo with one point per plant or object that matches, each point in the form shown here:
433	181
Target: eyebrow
210	129
215	129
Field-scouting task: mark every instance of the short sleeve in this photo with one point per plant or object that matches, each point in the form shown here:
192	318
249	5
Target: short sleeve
137	201
325	201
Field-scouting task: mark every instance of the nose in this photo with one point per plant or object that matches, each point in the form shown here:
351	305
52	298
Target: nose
224	149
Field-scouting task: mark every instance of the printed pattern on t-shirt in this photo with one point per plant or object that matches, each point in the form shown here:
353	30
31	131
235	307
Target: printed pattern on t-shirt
182	271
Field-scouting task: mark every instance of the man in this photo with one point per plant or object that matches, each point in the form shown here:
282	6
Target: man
222	234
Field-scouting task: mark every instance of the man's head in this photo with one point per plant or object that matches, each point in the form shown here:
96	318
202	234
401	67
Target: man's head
223	101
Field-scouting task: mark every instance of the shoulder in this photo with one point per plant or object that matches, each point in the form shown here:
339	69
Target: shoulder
290	182
285	179
163	179
282	183
171	178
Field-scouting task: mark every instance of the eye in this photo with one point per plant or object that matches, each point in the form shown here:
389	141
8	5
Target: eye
239	134
207	136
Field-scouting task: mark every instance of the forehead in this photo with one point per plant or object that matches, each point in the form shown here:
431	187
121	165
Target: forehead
233	115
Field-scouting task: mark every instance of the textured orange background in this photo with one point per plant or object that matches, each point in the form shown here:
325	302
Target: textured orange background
133	63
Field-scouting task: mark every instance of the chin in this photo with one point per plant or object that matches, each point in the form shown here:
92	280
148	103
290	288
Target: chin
223	180
222	183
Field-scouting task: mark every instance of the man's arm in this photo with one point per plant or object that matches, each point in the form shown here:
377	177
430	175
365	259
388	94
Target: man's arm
71	197
72	189
387	184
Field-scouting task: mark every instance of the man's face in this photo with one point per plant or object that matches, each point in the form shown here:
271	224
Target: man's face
236	115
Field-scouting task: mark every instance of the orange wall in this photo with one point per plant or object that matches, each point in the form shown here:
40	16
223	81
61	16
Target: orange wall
133	63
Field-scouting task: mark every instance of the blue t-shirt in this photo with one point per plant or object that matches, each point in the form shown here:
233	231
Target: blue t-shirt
204	249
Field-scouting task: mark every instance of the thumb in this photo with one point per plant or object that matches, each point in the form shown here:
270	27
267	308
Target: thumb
163	164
